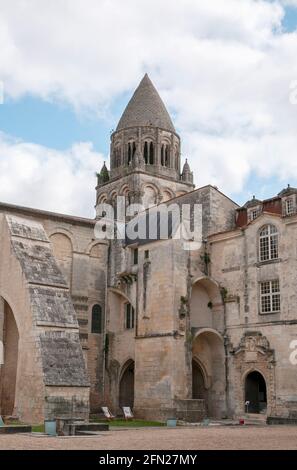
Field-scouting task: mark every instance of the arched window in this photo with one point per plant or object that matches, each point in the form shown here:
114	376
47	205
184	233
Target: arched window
163	155
151	153
167	156
268	243
129	316
97	319
145	152
131	151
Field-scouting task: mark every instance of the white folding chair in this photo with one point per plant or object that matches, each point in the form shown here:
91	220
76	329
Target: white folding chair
127	412
107	413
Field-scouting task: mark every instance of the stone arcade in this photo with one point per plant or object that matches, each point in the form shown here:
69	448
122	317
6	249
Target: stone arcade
87	322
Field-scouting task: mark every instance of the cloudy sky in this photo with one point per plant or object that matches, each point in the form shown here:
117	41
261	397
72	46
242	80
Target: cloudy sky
226	69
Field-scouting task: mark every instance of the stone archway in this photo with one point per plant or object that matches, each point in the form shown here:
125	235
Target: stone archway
253	355
199	389
255	392
9	336
126	385
208	371
206	305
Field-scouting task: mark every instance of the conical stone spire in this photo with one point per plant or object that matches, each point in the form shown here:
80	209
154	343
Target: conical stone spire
146	109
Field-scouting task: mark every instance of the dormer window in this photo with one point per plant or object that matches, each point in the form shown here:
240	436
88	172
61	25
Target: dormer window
253	213
289	206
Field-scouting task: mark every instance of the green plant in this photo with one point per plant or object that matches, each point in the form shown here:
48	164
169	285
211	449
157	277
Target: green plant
189	337
224	293
183	300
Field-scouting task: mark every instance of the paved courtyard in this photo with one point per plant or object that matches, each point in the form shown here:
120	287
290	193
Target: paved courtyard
221	437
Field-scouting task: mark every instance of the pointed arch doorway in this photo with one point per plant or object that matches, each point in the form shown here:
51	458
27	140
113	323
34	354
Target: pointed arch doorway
126	388
199	390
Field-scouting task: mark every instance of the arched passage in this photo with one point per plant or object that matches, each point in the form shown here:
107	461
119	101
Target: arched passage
208	371
199	390
206	304
126	392
9	336
255	392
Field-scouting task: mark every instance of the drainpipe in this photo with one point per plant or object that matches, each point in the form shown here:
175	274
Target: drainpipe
105	319
225	337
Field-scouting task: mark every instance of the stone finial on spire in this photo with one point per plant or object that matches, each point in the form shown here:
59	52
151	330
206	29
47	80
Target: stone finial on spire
103	176
187	174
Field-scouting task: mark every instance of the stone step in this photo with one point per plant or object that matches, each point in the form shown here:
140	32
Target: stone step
255	418
75	428
87	433
8	429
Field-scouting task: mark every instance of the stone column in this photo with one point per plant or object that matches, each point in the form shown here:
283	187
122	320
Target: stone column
158	149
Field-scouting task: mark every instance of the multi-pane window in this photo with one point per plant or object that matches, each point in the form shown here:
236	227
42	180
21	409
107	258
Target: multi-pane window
97	319
270	296
253	214
129	316
289	206
268	243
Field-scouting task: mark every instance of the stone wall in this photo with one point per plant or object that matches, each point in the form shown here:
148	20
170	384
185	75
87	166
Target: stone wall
35	290
236	266
82	260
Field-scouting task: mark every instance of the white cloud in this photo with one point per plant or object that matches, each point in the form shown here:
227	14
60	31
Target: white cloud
289	3
35	176
223	67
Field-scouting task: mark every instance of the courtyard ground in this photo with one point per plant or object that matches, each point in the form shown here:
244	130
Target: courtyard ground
182	438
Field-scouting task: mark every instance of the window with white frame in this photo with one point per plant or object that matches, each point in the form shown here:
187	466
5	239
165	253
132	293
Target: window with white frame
253	213
270	296
129	316
289	206
268	243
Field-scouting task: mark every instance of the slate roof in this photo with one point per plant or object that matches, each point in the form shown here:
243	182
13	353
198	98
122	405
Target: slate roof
146	108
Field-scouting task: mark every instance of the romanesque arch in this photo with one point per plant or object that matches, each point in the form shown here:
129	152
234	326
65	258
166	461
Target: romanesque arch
9	337
167	195
126	385
206	304
63	252
208	371
151	195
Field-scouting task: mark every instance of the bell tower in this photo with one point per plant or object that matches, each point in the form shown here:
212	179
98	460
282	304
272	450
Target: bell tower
144	153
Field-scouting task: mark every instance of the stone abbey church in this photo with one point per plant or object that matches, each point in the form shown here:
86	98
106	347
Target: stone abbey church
87	322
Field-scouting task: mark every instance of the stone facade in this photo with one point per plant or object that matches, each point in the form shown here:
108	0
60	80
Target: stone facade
173	333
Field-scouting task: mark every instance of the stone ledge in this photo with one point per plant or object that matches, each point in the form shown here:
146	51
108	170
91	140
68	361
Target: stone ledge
15	429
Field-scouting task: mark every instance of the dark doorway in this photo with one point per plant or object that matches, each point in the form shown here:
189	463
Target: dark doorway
255	392
198	386
8	371
127	386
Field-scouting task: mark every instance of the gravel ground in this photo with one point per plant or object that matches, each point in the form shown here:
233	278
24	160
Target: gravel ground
195	438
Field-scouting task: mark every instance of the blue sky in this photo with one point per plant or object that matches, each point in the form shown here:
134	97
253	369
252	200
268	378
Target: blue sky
52	118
